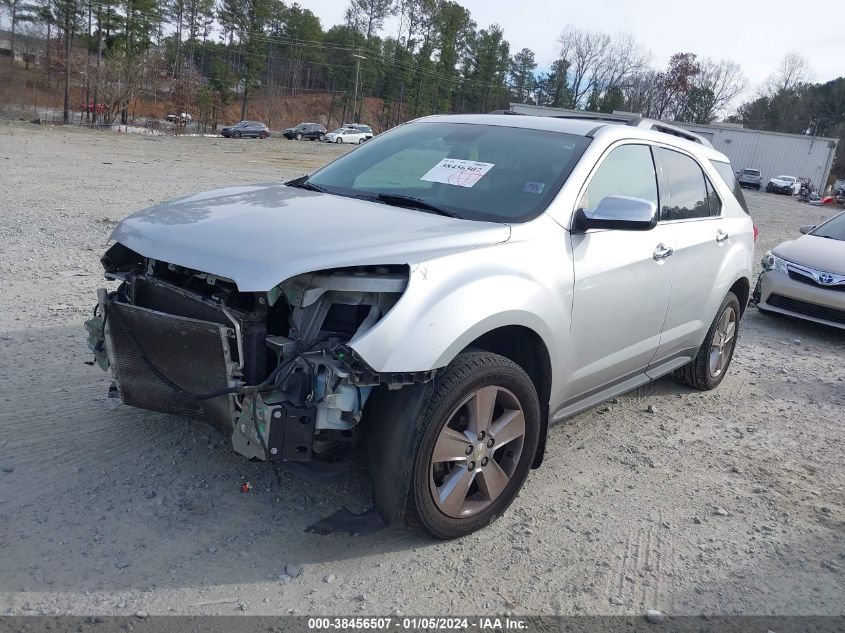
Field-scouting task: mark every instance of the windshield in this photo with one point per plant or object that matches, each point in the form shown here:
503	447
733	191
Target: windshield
339	130
833	228
786	178
476	172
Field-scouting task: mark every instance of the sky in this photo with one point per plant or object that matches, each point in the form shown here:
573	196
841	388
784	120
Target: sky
752	33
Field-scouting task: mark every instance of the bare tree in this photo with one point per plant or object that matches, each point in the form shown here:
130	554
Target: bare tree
598	62
119	83
719	83
793	71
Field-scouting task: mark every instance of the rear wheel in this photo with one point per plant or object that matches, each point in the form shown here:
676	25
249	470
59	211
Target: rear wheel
480	429
714	356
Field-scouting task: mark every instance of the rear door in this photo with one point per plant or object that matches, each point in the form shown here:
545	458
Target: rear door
622	280
692	210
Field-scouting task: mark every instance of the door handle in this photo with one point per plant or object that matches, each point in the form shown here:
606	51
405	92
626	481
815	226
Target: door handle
721	236
662	252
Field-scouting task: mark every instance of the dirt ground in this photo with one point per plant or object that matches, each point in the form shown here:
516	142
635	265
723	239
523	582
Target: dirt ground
105	509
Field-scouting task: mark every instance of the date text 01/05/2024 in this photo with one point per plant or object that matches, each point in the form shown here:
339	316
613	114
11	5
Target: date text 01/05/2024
417	623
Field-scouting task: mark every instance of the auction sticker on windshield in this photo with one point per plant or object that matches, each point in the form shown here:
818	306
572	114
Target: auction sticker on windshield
461	173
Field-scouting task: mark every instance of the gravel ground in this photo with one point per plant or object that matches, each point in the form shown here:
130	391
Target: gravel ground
724	502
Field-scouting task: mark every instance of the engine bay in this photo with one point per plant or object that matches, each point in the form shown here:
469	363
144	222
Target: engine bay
273	369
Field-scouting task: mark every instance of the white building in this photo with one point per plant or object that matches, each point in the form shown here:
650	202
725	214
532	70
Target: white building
773	153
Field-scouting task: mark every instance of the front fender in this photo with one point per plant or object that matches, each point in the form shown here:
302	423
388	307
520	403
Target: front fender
451	301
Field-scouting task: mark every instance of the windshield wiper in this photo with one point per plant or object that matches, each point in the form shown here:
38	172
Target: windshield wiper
303	183
415	203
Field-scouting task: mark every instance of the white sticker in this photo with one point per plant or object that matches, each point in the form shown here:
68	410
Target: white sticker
534	187
461	173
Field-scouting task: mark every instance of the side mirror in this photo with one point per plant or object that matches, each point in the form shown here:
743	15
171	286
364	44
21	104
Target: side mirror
622	213
806	228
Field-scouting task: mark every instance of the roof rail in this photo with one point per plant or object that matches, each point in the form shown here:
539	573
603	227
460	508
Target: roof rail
595	116
506	112
674	130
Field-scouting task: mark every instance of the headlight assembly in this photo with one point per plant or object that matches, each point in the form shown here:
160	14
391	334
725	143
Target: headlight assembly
771	261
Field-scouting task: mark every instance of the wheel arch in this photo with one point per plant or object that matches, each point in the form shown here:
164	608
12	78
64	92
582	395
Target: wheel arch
742	289
527	349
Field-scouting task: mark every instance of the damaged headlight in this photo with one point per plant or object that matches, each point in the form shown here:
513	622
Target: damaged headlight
771	261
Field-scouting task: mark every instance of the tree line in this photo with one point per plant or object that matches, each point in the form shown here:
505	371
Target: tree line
205	54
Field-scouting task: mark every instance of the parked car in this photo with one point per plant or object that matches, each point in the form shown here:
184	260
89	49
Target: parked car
246	129
311	131
446	308
784	184
366	129
346	135
750	178
99	108
805	278
182	118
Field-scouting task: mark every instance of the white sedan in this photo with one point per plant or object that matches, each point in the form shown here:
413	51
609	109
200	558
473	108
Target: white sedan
789	185
346	135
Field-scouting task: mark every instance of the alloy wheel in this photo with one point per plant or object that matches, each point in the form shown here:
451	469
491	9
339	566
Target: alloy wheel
477	452
723	341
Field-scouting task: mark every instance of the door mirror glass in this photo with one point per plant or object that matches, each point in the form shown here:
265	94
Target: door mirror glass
623	213
806	228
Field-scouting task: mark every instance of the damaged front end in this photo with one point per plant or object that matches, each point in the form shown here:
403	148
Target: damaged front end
272	369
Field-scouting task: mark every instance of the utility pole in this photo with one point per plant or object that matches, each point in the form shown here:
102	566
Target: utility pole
358	59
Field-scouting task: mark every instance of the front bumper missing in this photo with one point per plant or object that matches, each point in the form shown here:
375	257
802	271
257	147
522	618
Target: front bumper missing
287	431
193	354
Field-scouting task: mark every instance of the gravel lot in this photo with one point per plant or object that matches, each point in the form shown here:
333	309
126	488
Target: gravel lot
725	502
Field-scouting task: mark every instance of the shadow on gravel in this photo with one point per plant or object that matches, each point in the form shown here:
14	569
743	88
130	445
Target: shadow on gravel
102	496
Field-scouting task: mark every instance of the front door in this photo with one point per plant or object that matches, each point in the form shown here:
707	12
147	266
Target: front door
623	280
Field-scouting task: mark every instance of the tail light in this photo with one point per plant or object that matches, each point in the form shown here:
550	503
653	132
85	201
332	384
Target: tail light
756	233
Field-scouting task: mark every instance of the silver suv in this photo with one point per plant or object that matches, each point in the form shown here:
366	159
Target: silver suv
439	295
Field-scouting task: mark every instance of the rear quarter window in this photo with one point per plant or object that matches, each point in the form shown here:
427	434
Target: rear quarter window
727	173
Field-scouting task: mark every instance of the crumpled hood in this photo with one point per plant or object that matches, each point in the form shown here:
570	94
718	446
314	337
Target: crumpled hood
816	252
260	235
781	183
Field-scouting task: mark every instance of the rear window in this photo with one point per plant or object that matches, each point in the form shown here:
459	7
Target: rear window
727	173
751	172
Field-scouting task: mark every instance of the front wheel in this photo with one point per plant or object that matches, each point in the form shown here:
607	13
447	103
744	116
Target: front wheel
263	135
298	136
338	140
236	134
480	430
714	356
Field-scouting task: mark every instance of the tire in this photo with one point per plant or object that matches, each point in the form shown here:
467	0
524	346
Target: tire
236	134
321	138
338	140
472	379
700	373
361	141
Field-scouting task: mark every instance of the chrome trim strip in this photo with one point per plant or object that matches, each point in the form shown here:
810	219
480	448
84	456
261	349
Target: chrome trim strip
821	277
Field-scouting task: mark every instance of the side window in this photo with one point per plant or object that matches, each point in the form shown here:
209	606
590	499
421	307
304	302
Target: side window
713	200
687	191
627	171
